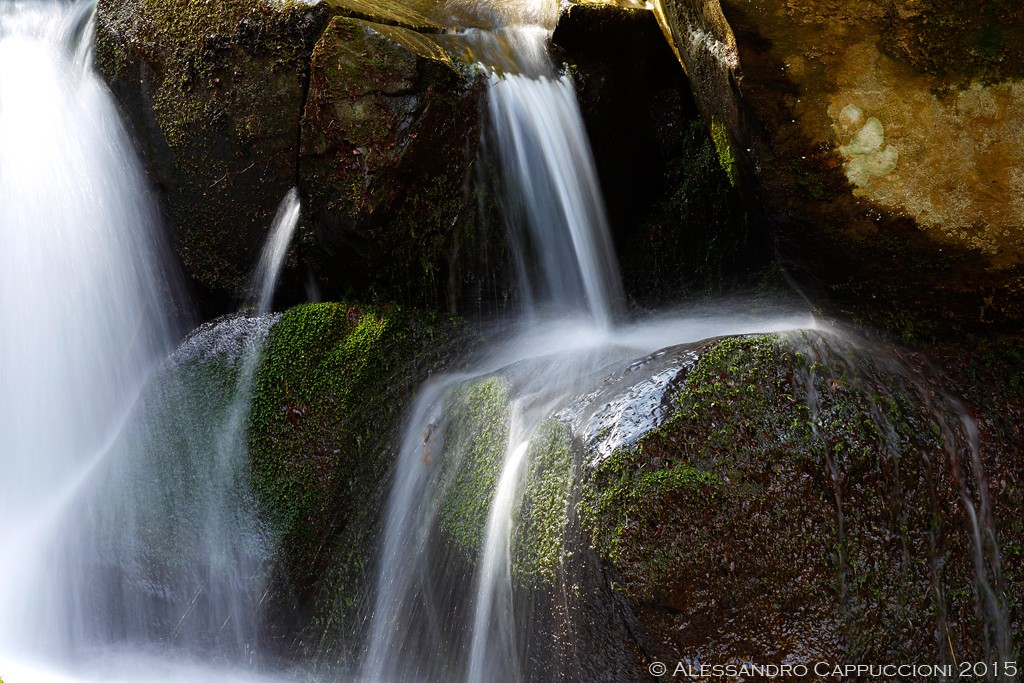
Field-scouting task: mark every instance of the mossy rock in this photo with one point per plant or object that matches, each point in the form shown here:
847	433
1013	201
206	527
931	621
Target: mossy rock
543	518
214	92
331	391
235	103
806	495
475	435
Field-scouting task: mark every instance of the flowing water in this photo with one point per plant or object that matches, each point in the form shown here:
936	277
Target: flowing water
83	317
127	522
554	209
264	277
426	625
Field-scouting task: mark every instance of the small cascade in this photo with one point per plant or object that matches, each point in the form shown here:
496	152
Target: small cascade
469	438
556	217
195	431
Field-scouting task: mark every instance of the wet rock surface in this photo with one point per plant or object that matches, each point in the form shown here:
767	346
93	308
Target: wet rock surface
214	93
387	166
796	498
373	120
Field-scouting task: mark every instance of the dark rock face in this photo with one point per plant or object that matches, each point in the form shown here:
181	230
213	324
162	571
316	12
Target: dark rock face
387	164
677	217
375	124
215	92
867	131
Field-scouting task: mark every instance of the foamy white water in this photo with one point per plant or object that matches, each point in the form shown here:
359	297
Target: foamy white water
83	301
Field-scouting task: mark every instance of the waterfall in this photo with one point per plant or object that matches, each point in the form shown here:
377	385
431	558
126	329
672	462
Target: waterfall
131	547
556	217
445	608
83	319
127	526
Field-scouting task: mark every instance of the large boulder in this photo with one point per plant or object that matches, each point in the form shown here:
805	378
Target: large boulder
359	107
884	136
775	499
215	92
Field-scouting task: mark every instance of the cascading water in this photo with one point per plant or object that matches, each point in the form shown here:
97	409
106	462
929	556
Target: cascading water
188	538
83	301
127	522
146	537
426	626
551	186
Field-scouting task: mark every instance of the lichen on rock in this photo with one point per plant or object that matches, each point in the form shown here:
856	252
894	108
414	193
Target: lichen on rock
867	154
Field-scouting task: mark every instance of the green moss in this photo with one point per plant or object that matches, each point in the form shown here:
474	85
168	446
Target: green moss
192	30
622	494
475	443
543	517
795	475
720	136
331	390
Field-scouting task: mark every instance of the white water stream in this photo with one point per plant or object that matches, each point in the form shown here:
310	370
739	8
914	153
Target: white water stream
99	464
83	318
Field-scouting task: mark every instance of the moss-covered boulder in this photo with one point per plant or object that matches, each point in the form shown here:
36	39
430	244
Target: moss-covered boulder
884	138
805	497
796	498
331	392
